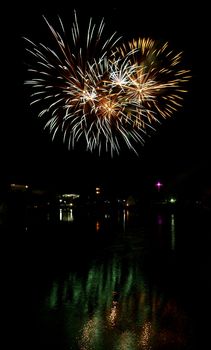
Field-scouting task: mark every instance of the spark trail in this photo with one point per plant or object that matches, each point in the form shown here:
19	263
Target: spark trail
101	91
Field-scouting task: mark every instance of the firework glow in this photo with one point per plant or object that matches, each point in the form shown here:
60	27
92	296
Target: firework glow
103	92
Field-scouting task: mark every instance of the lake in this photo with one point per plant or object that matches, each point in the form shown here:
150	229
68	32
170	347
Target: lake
107	280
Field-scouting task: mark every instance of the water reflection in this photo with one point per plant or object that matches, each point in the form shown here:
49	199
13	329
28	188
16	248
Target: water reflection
125	218
172	230
66	214
110	279
114	306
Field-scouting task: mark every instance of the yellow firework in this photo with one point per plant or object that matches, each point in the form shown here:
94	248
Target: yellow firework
101	91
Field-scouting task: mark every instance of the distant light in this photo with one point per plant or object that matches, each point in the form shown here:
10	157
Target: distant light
97	190
172	200
70	195
18	187
158	185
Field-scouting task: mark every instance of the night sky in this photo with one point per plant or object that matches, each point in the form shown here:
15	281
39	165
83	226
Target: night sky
179	150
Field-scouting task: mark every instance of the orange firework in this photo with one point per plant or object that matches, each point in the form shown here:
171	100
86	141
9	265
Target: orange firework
103	91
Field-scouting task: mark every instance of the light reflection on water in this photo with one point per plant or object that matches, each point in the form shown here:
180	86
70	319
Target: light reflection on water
114	303
114	281
173	232
114	306
66	215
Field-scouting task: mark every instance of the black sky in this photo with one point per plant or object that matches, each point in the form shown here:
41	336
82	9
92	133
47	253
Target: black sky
179	149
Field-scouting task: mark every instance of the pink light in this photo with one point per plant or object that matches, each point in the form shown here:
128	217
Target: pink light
158	185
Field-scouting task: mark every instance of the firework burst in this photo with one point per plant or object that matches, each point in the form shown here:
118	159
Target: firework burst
102	91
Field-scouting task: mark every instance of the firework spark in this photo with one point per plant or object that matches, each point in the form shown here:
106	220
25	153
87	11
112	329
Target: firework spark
102	91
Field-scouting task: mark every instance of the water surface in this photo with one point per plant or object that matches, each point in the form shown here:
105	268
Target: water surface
125	280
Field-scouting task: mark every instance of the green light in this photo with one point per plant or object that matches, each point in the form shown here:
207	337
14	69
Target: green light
172	200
